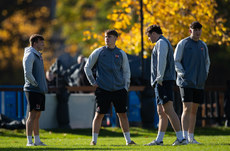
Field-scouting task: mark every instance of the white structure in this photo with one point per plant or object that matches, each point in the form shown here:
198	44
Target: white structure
81	111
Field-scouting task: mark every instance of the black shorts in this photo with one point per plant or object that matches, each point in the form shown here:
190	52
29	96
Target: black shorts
165	92
192	95
35	101
105	98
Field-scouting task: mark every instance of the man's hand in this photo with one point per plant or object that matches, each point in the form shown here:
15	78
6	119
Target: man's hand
95	85
160	82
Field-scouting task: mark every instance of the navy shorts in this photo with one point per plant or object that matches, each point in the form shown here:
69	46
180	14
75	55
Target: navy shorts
165	92
35	101
105	98
192	95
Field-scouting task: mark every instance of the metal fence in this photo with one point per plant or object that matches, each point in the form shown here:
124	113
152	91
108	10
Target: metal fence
211	112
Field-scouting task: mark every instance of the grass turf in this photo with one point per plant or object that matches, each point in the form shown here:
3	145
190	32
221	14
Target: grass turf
212	139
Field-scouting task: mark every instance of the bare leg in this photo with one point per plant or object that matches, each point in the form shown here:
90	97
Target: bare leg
185	118
36	123
172	116
123	119
162	126
97	122
163	120
96	125
30	123
192	122
124	123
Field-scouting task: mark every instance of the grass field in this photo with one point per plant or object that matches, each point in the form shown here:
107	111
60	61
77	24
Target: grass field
212	139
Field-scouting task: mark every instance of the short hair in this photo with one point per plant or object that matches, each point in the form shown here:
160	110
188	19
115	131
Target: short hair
111	32
195	25
35	38
154	28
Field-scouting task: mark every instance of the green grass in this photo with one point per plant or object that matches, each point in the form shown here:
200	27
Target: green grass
212	139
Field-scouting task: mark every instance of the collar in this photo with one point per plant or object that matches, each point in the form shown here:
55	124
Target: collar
160	37
111	48
35	51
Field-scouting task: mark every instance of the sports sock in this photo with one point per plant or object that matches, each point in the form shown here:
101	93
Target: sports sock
185	134
37	139
179	135
94	137
29	140
190	136
127	137
160	136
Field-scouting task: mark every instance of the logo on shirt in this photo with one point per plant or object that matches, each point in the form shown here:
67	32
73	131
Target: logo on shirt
202	48
116	56
37	106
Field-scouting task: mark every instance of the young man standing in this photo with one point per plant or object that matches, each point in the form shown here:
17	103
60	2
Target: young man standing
192	66
112	82
163	77
35	87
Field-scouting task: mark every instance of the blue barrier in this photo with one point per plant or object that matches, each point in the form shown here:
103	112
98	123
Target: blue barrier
10	104
134	114
13	104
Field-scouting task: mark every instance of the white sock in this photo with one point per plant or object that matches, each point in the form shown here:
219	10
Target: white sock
185	134
127	137
191	136
160	136
94	137
179	135
29	140
37	139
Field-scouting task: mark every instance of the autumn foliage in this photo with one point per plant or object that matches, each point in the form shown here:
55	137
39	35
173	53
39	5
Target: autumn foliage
78	26
174	17
15	29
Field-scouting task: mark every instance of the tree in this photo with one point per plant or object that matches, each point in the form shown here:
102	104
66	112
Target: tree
173	16
75	17
15	28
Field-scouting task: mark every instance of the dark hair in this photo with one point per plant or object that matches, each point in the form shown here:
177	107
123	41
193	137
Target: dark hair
154	28
195	25
35	38
111	32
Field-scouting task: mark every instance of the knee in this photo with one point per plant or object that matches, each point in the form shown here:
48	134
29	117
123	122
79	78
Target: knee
161	114
30	119
187	110
193	112
122	115
98	116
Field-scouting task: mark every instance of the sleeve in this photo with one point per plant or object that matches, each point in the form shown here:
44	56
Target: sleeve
162	52
54	68
178	54
89	65
28	62
126	70
207	59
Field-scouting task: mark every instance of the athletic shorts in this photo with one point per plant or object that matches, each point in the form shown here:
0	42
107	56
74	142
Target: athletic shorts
165	92
105	98
35	101
192	95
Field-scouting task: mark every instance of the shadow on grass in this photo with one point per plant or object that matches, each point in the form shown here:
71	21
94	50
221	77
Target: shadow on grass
136	131
88	132
12	133
207	131
223	144
57	149
212	131
116	132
